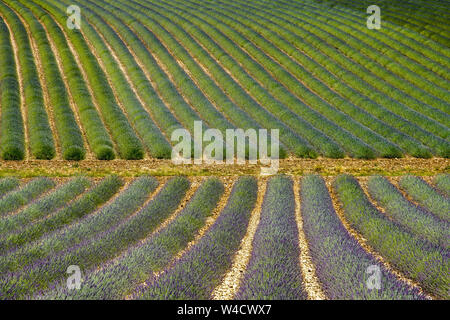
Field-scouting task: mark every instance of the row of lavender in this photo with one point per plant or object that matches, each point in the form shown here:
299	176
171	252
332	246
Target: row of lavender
121	255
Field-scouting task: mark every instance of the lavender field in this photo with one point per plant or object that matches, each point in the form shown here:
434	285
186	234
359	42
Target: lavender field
281	237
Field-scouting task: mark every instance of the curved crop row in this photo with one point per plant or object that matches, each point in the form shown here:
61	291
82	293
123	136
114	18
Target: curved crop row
66	215
341	263
128	144
323	144
117	279
415	219
103	219
442	182
40	134
295	105
243	89
200	270
70	138
365	118
8	185
150	134
370	45
43	207
195	94
427	48
96	134
274	270
411	55
384	117
426	196
106	245
419	260
331	40
12	136
18	198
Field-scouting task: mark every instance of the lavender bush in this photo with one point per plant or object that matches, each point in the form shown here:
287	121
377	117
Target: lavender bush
15	266
198	272
340	262
69	213
114	280
43	207
7	185
18	198
274	268
442	183
427	196
416	259
415	219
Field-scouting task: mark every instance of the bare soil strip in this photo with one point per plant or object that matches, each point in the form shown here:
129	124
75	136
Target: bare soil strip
231	282
363	243
291	166
310	280
23	108
228	185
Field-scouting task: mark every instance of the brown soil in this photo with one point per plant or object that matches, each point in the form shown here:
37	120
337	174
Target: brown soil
292	166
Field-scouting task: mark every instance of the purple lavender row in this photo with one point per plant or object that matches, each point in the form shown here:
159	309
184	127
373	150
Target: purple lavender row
43	206
417	259
24	195
107	245
427	196
201	269
415	219
343	267
113	213
116	279
70	212
274	268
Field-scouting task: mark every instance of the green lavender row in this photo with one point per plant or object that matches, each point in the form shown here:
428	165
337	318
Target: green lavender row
332	37
69	133
128	144
415	72
150	134
40	135
442	182
96	133
12	136
265	105
7	185
399	130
